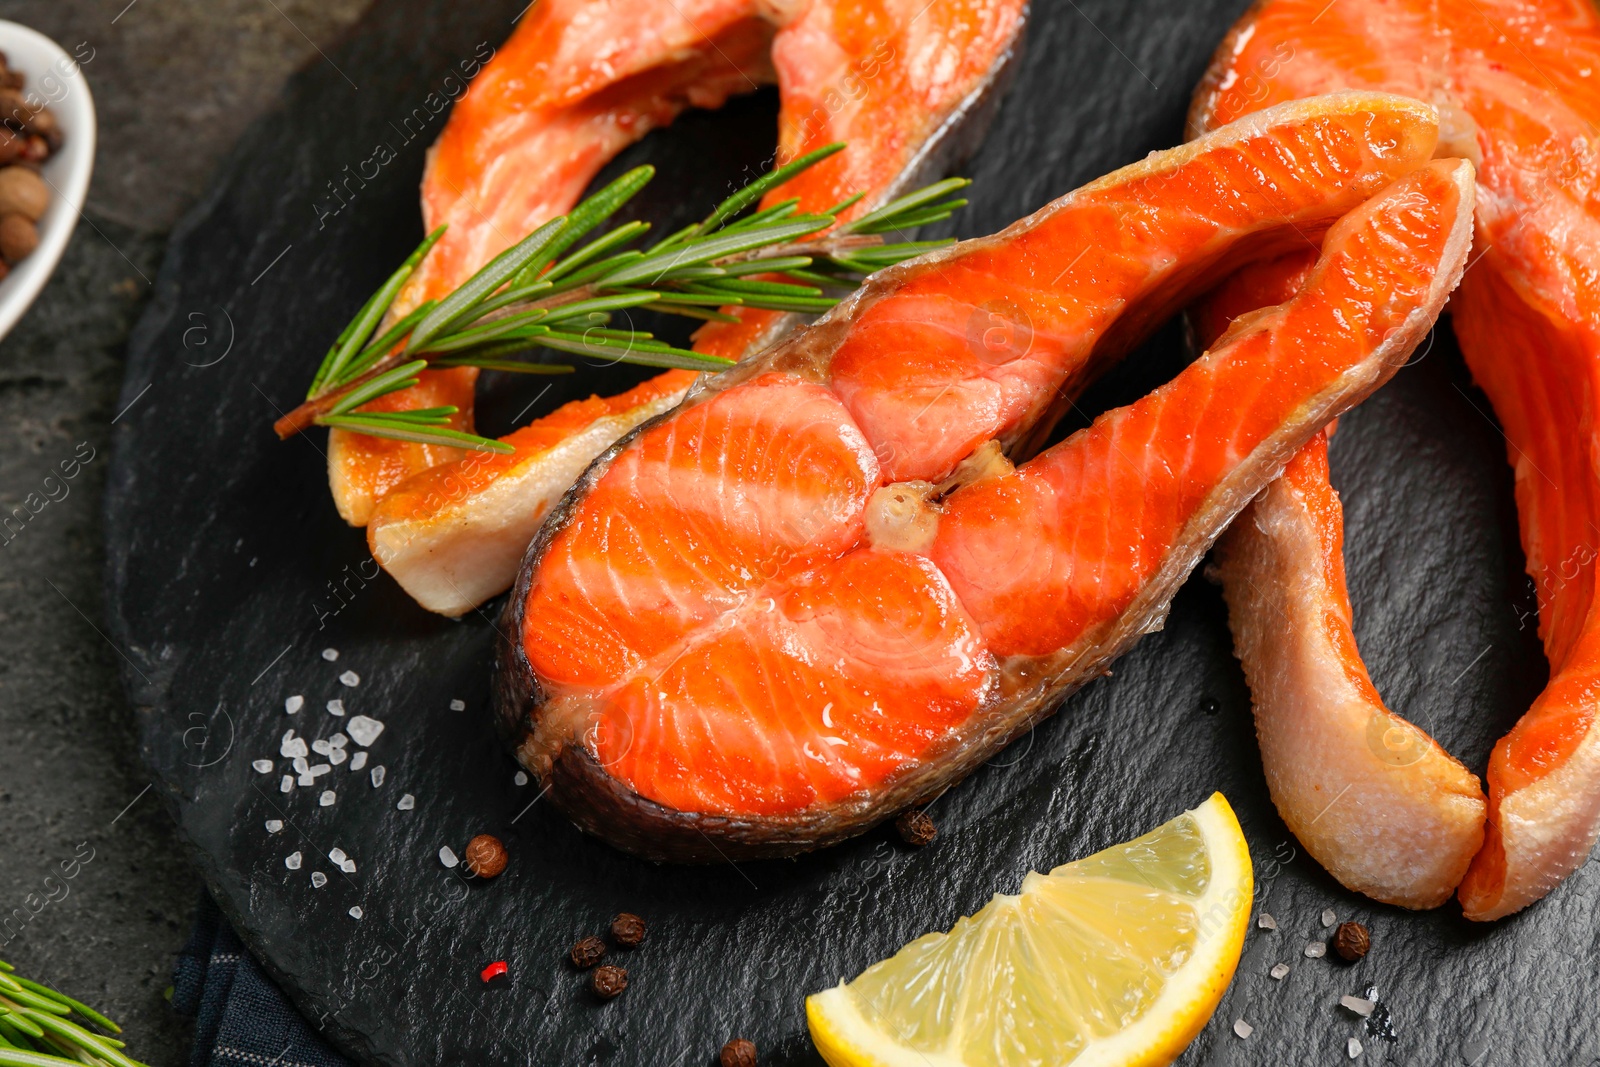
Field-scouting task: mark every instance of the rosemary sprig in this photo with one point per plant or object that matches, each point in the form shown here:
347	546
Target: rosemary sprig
40	1027
541	293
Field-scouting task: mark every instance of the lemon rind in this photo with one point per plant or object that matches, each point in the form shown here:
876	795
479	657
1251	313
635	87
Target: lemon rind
845	1038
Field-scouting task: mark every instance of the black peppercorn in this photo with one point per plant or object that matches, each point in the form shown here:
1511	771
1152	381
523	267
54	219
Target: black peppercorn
587	952
738	1053
609	981
915	828
1351	941
627	930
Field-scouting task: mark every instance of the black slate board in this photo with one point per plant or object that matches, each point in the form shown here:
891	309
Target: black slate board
226	556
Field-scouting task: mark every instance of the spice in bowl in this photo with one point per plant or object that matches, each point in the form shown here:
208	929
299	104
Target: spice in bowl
609	981
627	930
486	856
29	135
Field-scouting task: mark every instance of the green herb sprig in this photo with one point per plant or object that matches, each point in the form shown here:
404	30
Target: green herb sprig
40	1027
548	292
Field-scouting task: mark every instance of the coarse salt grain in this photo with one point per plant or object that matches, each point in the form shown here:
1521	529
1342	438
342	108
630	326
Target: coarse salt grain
379	773
274	826
330	654
318	879
458	705
338	756
356	912
363	730
1361	1007
350	678
1242	1028
1353	1048
292	861
520	778
287	784
407	802
262	766
328	798
448	857
292	746
1279	972
294	704
1266	922
338	740
336	707
358	761
321	747
1328	917
337	855
1316	950
348	866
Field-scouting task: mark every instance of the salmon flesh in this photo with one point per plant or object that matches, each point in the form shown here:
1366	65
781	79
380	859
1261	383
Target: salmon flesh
908	86
1514	81
818	592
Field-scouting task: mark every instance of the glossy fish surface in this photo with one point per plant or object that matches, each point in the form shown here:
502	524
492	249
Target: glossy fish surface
1514	81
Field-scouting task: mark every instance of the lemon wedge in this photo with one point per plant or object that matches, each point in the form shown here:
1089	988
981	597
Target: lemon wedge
1112	961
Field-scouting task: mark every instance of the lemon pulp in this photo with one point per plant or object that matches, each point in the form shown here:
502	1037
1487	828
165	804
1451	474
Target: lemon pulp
1115	959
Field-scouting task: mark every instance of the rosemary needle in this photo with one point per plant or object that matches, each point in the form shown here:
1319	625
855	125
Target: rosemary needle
540	294
40	1027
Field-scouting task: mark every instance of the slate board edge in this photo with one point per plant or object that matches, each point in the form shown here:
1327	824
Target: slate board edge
147	695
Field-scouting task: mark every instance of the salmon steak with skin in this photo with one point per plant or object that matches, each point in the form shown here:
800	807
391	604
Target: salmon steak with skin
1515	82
909	87
1374	799
818	592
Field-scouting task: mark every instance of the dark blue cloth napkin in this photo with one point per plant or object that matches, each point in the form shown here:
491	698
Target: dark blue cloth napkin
241	1018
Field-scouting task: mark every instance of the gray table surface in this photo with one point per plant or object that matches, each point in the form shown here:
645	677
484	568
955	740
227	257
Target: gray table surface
175	82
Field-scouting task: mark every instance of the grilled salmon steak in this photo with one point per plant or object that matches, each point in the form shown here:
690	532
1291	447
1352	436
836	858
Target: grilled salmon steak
817	591
909	86
1514	81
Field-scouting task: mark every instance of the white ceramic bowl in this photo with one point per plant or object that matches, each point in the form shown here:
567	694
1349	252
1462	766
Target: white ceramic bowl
55	77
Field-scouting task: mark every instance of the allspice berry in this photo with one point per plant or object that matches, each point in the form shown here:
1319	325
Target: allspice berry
486	856
609	981
586	952
24	192
1351	941
738	1053
18	238
915	828
627	930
